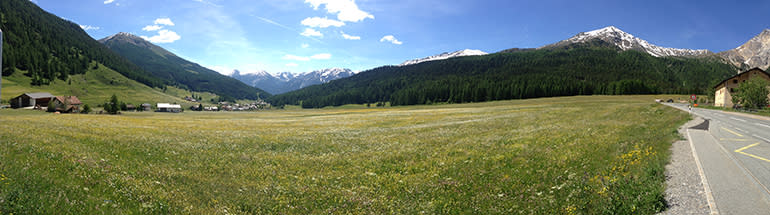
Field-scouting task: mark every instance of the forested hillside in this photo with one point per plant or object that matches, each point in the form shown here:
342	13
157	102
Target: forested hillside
48	47
179	72
587	69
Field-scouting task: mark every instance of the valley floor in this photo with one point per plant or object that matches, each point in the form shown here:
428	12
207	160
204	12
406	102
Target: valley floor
569	155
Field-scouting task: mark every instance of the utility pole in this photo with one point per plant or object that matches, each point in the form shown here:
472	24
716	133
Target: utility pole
1	64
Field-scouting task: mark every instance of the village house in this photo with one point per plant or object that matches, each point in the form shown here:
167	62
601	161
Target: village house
171	108
66	104
726	88
38	100
130	107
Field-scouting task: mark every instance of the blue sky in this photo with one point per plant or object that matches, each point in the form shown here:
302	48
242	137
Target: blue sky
305	35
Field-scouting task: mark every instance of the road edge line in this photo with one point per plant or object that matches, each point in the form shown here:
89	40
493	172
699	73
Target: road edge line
704	181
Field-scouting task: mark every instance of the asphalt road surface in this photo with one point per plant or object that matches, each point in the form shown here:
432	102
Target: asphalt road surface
733	152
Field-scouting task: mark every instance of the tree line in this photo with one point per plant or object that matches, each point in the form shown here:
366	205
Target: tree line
47	47
584	70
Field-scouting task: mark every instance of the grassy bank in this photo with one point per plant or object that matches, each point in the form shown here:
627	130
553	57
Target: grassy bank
96	86
571	155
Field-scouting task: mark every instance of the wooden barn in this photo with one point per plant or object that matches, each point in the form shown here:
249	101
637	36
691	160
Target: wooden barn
726	88
67	104
31	100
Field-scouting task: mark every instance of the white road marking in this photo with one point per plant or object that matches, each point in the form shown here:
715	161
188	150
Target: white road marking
762	138
760	124
736	119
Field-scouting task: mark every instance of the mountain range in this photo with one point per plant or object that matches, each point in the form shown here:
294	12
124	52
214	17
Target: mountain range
754	53
603	61
176	71
287	81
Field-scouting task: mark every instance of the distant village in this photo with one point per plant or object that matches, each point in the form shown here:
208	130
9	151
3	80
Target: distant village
71	104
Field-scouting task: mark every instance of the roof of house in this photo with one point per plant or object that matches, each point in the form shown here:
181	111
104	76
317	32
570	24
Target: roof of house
167	105
73	100
38	95
739	74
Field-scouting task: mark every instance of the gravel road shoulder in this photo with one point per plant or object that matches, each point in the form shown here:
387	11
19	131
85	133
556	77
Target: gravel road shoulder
684	189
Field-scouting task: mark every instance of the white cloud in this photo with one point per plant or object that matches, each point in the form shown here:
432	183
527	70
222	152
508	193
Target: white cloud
305	45
295	57
323	56
292	65
309	32
108	1
348	37
164	36
391	39
318	22
164	21
152	28
346	10
88	27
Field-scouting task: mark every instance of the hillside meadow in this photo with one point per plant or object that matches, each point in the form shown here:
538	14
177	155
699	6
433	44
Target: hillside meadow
96	86
568	155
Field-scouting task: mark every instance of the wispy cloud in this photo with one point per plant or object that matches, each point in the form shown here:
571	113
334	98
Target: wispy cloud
318	22
164	36
305	45
88	27
309	32
391	39
108	1
322	56
295	57
349	37
346	10
208	3
292	65
275	23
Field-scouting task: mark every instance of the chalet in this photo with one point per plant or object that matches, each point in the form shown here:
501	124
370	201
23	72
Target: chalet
130	107
66	104
166	107
726	88
31	100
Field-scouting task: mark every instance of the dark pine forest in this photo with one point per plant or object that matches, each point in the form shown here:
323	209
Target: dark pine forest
584	69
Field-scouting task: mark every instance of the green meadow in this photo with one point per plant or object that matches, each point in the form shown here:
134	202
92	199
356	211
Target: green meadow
96	86
568	155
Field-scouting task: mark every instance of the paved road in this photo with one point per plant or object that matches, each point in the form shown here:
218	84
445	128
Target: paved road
733	151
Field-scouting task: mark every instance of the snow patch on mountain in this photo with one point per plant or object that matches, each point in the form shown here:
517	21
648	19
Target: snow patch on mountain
626	41
444	56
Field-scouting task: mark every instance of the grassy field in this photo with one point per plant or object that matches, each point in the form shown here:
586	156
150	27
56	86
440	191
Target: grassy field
572	155
96	86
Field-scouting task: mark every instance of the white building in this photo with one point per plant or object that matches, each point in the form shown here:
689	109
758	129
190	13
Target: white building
166	107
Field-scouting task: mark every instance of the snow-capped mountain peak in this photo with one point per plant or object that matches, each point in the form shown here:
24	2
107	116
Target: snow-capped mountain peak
445	55
286	81
626	41
754	53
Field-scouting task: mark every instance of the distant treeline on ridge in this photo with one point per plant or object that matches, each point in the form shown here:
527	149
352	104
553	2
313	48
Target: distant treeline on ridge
587	69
